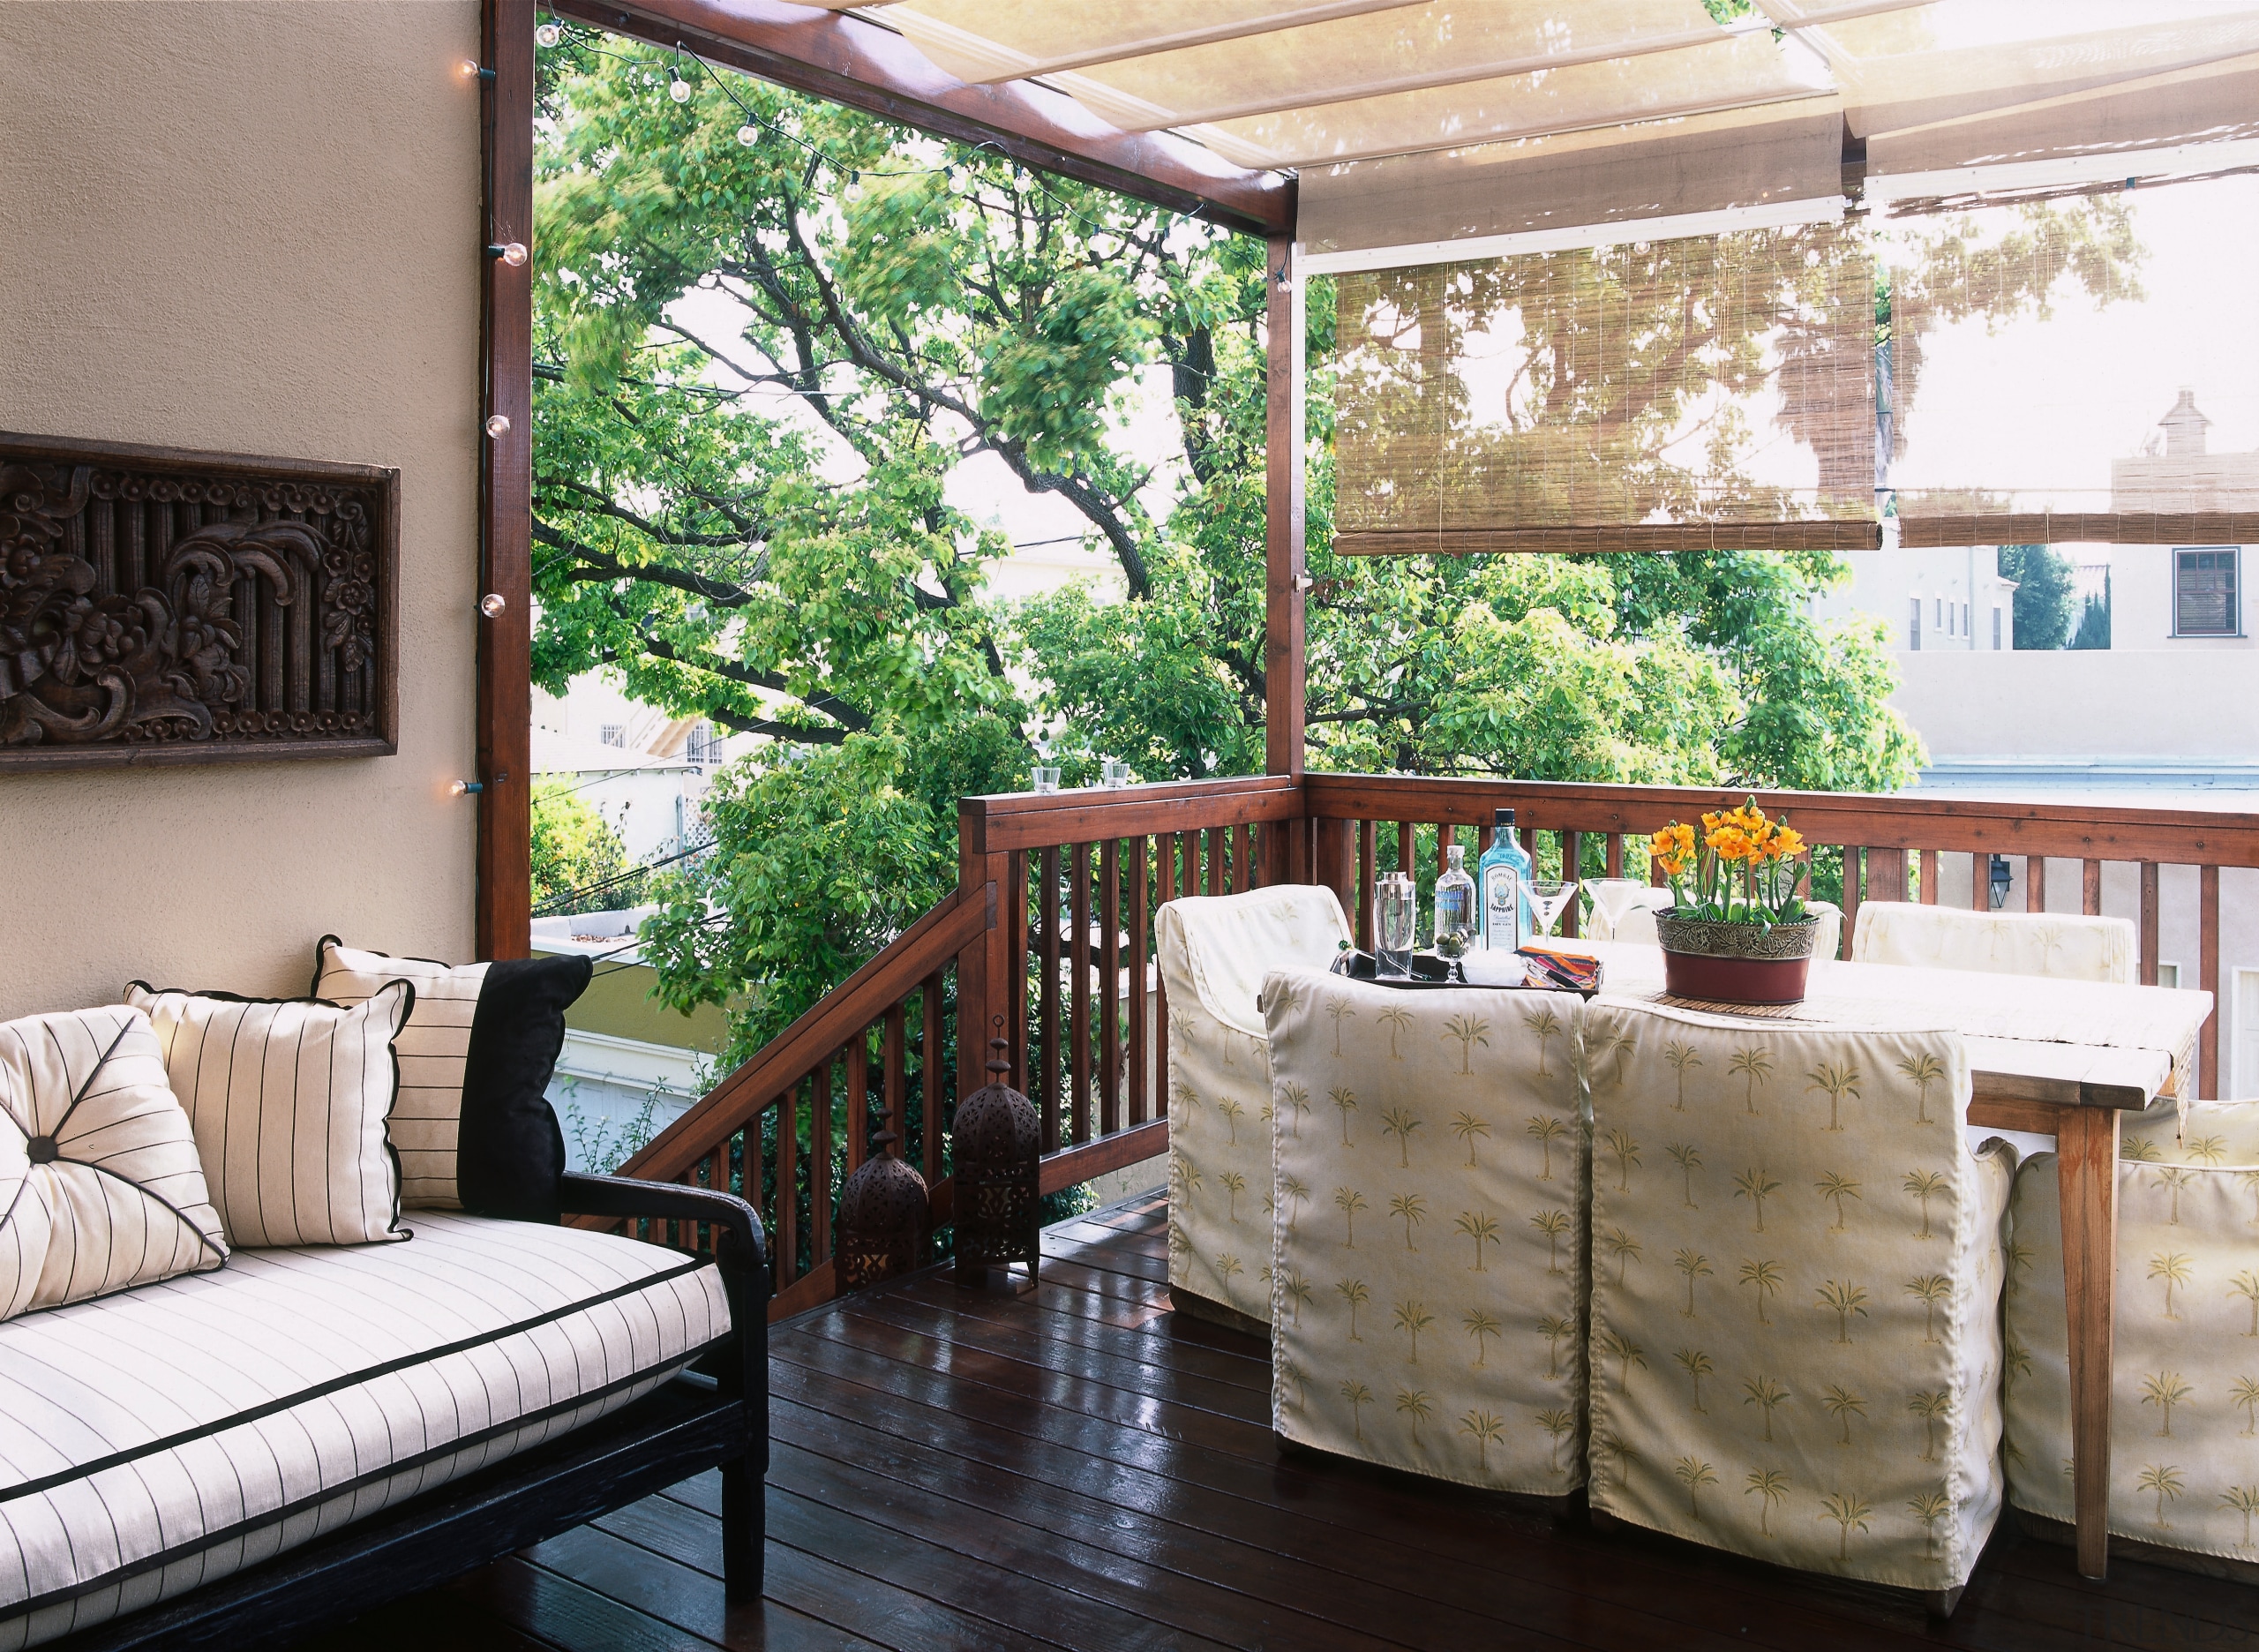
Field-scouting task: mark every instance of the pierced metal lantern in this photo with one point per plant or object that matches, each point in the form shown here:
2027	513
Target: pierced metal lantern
998	1153
881	1218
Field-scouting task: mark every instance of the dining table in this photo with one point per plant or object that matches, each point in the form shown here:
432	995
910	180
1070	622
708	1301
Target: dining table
2048	1055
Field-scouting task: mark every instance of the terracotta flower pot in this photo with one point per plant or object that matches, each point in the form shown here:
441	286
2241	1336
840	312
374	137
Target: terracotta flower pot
1736	963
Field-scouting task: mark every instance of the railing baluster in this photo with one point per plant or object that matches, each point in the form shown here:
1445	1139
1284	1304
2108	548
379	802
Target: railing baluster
1140	924
859	1099
1572	867
1109	978
1242	861
1078	1061
1405	832
930	1087
2035	884
785	1261
820	1169
1217	850
2090	888
1165	877
1014	896
1054	1066
2207	977
1363	915
1616	854
1852	876
893	1092
1929	877
2148	922
1980	881
1444	837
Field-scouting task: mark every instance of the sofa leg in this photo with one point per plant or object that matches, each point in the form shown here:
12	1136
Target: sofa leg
744	1531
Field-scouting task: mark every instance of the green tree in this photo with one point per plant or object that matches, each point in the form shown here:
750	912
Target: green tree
575	852
2094	619
2045	605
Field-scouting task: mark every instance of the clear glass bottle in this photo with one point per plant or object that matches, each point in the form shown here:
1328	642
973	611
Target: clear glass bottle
1455	923
1503	876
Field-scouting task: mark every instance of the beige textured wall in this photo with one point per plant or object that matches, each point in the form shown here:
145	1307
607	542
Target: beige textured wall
251	226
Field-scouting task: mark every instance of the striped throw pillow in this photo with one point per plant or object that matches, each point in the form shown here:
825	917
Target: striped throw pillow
288	1099
100	1185
474	1126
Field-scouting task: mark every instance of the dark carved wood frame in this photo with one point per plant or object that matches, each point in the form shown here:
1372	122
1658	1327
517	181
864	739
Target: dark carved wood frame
245	583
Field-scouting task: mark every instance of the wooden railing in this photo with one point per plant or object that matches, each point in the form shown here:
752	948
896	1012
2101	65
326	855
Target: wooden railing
1049	935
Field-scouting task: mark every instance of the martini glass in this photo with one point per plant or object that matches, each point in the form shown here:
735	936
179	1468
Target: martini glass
1550	896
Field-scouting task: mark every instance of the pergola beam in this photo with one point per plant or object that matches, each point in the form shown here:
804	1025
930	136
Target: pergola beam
853	62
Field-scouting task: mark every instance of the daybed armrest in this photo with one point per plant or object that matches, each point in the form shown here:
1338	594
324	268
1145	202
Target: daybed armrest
744	1261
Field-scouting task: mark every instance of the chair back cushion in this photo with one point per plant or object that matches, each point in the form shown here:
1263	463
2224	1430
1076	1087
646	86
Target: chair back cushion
473	1126
2184	1464
99	1184
287	1098
1213	952
2061	945
1797	1267
1427	1257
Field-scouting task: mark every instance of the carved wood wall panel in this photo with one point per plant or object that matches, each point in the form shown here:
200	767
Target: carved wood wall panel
163	607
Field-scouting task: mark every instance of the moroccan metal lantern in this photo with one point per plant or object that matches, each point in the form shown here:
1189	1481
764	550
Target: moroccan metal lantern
881	1218
998	1155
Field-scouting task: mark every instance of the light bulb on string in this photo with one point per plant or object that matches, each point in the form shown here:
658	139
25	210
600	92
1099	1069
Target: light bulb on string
548	35
747	136
498	426
678	89
492	604
512	253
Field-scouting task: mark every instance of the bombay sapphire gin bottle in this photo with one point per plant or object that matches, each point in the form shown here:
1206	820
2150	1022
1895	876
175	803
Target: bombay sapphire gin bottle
1501	876
1455	922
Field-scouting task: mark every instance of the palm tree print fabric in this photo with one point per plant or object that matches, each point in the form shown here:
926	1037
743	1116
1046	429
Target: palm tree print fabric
1428	1255
2184	1403
1796	1270
1214	950
2063	945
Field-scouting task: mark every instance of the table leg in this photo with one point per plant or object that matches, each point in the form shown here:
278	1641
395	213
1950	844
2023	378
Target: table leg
2087	1168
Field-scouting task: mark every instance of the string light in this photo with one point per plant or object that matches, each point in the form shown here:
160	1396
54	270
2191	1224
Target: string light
492	604
473	69
464	788
514	254
548	33
498	426
747	136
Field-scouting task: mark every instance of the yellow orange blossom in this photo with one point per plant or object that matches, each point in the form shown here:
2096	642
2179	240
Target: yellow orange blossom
1672	848
1730	842
1785	843
1710	821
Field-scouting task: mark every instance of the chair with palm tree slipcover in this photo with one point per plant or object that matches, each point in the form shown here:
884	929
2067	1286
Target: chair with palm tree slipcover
1213	951
1797	1269
1427	1253
2064	945
2184	1404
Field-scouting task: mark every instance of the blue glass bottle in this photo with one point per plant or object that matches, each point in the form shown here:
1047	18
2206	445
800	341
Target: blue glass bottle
1503	878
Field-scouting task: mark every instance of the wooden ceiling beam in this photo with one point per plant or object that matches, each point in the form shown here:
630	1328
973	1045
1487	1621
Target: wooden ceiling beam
853	62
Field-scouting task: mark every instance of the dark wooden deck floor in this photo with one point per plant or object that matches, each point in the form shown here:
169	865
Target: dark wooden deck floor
1084	1468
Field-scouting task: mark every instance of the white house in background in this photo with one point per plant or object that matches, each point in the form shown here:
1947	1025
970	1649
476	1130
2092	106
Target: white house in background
2161	720
646	772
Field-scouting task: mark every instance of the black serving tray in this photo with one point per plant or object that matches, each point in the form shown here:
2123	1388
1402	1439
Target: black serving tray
1429	972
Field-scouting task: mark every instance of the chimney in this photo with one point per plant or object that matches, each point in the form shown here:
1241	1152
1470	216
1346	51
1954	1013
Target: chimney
2184	428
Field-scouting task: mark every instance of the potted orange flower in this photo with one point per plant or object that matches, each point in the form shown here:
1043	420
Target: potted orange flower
1738	930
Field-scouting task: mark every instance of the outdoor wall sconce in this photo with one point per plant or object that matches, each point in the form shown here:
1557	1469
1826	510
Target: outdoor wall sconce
1999	877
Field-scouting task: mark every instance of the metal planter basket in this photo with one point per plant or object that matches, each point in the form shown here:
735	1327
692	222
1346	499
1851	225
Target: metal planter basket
1736	963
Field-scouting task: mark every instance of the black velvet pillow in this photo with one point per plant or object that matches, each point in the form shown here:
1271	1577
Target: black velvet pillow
473	1125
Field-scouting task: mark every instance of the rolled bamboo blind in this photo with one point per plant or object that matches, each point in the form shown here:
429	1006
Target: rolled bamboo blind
1710	392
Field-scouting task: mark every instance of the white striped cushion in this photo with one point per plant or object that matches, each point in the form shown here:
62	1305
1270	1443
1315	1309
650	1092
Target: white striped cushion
287	1098
100	1185
160	1439
433	1050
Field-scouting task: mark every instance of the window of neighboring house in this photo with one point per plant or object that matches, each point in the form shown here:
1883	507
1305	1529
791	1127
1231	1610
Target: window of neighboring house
1938	618
1964	618
1914	631
1996	628
615	734
2204	595
704	745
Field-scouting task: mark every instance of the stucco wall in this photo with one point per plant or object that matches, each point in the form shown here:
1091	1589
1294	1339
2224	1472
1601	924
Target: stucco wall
2174	701
252	226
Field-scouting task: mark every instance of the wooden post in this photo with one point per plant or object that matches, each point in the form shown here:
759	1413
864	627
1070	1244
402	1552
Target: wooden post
2207	977
983	986
1284	655
2086	1168
503	924
2149	923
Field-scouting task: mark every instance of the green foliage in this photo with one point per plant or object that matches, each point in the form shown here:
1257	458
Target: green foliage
2094	619
758	365
2043	594
574	850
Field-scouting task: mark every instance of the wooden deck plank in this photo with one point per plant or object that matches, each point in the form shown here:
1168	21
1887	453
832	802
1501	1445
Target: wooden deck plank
1082	1467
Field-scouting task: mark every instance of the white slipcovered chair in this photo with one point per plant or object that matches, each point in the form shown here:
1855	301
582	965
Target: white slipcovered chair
1427	1257
1797	1268
2064	945
1214	950
2184	1412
